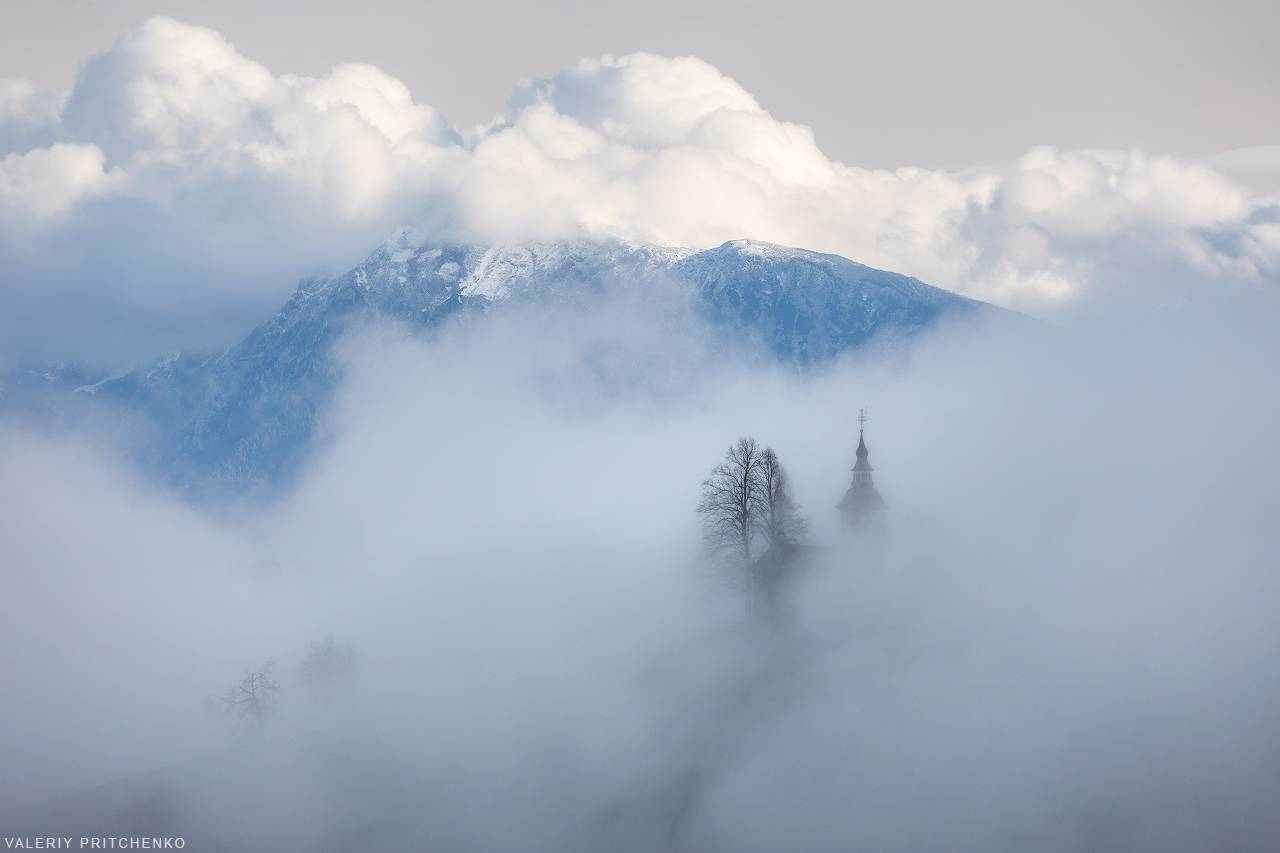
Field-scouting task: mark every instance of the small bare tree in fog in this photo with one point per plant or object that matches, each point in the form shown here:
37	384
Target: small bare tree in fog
782	523
249	701
733	503
782	528
328	666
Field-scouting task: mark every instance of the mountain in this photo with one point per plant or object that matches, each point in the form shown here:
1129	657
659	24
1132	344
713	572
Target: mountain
242	418
808	307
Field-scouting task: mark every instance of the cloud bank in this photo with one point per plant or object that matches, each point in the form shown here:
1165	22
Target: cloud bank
173	197
1069	642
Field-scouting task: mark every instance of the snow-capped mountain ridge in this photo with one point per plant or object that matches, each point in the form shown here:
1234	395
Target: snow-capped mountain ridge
245	416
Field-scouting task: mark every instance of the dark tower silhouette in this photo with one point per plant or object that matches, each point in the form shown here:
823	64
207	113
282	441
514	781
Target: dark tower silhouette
862	510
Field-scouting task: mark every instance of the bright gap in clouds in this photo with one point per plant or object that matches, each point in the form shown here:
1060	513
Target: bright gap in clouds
178	192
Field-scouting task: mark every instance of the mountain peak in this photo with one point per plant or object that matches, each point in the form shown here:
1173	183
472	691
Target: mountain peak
246	416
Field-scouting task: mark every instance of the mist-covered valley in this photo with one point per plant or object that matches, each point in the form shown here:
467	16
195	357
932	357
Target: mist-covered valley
1067	641
422	554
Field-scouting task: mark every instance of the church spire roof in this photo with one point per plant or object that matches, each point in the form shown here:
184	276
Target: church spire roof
862	497
862	464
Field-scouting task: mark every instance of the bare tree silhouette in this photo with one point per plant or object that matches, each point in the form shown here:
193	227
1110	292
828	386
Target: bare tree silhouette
733	502
751	524
783	530
781	522
251	699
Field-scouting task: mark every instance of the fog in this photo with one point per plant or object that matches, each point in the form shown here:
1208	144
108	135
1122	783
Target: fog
1068	641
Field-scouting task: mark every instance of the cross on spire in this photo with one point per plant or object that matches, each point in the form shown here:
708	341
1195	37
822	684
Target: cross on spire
862	420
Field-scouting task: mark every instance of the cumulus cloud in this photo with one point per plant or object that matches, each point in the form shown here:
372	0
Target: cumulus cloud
45	181
715	166
28	116
174	197
240	181
177	108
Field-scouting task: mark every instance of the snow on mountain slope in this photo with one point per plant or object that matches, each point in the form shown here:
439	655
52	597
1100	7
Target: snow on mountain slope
810	307
243	418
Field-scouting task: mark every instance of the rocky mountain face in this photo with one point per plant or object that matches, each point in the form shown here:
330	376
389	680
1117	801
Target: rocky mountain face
232	421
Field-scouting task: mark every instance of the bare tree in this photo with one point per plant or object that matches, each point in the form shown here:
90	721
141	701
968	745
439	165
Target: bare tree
251	699
733	502
782	529
781	522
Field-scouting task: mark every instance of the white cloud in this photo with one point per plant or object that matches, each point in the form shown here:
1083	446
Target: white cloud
28	114
46	181
1024	234
178	109
640	147
642	99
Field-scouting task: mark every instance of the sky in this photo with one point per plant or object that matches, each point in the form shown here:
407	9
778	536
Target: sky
929	84
1068	640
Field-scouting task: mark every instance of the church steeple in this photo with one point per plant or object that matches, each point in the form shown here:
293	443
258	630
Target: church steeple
862	510
862	468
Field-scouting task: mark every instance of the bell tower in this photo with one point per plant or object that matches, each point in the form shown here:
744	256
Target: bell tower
862	510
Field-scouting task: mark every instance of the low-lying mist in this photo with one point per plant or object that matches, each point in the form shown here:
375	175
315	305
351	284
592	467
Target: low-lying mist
1068	641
